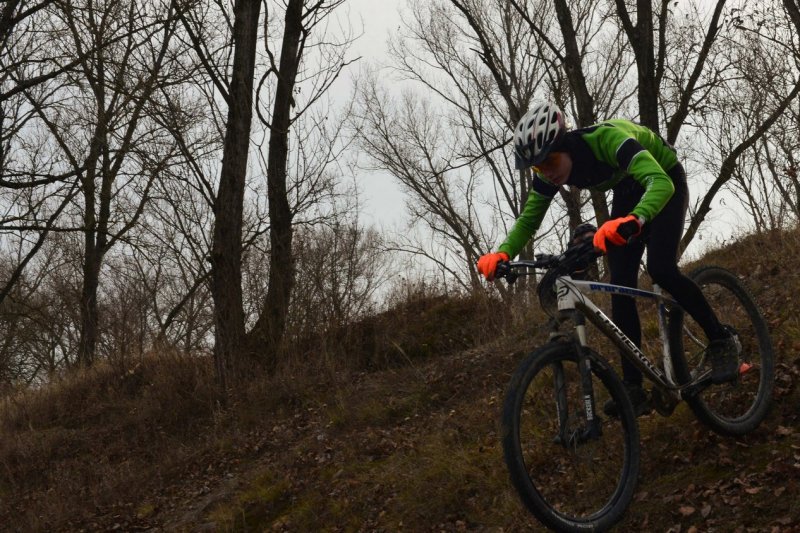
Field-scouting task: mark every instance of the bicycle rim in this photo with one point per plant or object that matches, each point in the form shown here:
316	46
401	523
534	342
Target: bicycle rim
572	485
730	408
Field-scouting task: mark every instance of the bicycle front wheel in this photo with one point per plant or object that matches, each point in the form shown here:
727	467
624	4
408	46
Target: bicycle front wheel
737	407
568	480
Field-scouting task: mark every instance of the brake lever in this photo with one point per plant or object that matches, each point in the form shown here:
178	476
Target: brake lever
503	270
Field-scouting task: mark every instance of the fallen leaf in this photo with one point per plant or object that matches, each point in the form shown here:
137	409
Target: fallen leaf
705	511
687	510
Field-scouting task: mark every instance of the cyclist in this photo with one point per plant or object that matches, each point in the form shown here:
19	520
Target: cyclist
650	198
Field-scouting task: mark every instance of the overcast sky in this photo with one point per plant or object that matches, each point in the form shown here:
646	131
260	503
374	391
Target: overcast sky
380	17
382	201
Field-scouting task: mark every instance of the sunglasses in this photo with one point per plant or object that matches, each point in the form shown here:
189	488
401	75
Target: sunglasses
549	163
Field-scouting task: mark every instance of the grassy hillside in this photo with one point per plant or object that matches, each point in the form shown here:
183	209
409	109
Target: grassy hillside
404	437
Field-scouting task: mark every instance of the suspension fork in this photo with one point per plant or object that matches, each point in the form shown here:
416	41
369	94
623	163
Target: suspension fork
593	427
562	410
560	388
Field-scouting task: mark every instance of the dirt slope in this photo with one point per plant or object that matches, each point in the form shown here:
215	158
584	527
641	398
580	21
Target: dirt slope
412	448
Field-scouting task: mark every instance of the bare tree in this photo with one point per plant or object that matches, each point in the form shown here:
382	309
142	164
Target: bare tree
39	318
118	136
271	325
279	84
142	186
226	252
340	269
759	90
103	178
415	147
31	174
14	12
683	60
300	24
477	67
572	53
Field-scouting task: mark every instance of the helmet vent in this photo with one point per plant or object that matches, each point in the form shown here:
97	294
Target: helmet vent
539	128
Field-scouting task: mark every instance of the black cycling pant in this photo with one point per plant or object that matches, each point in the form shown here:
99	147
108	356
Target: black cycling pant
662	238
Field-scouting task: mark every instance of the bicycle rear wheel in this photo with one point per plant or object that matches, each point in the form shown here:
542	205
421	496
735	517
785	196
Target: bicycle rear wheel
568	482
732	408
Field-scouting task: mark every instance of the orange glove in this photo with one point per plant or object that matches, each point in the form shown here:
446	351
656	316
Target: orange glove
487	264
617	231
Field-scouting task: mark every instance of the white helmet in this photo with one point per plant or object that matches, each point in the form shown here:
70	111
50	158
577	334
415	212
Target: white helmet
537	133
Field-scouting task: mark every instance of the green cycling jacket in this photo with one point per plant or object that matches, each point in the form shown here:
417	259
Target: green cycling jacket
602	156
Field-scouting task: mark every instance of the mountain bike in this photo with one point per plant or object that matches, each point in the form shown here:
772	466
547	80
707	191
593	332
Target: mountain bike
575	468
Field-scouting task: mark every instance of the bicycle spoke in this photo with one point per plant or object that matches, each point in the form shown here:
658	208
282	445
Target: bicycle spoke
581	479
576	476
736	407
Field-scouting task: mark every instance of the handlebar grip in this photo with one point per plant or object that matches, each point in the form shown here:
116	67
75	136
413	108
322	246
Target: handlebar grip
502	270
631	231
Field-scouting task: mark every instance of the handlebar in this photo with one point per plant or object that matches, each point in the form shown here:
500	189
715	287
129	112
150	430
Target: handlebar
575	258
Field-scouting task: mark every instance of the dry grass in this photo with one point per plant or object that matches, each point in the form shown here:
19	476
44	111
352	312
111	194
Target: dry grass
86	448
98	437
426	325
389	424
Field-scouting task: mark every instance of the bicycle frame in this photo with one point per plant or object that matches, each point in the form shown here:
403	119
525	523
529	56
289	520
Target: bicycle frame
572	297
604	443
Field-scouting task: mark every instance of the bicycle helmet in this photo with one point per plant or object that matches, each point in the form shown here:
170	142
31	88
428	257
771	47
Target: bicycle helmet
537	133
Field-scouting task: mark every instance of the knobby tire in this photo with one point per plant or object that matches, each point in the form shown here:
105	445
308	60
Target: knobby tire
730	408
544	472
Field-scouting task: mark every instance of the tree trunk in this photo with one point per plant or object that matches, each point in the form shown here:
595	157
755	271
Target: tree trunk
226	252
267	335
573	204
640	37
573	66
646	65
87	346
92	254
